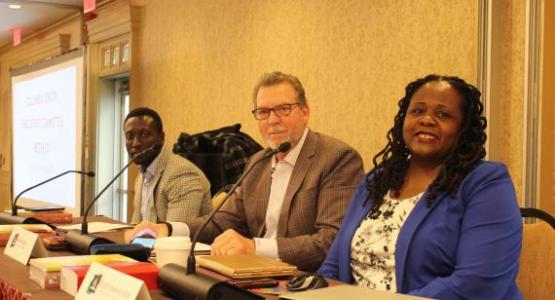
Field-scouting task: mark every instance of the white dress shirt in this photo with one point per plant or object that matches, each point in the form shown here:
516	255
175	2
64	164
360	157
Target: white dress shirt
147	190
281	174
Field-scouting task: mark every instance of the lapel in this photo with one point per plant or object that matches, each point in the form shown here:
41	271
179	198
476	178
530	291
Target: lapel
417	216
158	171
262	195
302	165
138	198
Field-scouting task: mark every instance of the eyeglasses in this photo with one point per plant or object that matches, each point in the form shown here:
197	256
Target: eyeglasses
281	110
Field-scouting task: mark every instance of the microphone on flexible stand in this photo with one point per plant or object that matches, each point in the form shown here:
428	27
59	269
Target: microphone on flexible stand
80	241
187	284
13	218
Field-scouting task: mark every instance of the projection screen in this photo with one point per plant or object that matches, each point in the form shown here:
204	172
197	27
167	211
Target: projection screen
47	130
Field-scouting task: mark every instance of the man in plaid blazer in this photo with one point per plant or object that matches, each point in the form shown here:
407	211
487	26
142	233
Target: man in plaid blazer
168	188
291	205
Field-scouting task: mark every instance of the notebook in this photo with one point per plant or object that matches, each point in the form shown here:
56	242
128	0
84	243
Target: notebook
246	266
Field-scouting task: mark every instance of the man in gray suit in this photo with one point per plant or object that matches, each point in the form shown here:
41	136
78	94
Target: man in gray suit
168	188
291	205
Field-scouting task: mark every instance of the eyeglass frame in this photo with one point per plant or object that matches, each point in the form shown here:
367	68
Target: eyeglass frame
273	109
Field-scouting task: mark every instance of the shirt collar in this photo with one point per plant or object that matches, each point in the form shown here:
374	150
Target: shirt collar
149	172
293	154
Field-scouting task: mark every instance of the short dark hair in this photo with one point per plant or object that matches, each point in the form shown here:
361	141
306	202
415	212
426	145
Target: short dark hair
145	111
391	163
277	77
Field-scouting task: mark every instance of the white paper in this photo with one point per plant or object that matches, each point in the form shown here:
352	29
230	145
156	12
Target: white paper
10	227
202	247
95	227
21	244
102	282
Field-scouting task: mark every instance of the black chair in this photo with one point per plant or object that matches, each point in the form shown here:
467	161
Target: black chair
529	212
536	277
221	153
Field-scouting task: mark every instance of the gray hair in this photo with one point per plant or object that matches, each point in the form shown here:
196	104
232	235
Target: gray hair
277	77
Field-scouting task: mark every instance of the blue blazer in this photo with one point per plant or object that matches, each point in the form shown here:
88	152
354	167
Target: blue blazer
466	247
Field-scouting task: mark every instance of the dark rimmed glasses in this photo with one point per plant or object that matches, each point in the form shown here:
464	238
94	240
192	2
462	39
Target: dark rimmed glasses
281	110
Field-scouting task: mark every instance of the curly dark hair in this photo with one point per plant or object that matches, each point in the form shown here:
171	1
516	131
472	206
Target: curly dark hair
391	163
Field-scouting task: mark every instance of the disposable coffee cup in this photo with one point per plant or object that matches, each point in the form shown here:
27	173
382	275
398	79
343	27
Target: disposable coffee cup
172	249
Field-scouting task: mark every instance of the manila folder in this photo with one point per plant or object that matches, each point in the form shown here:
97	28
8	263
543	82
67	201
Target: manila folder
246	266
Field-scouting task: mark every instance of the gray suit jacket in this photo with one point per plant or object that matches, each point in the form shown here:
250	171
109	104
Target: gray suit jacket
181	191
324	178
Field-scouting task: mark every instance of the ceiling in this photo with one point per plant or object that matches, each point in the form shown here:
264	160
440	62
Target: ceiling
33	15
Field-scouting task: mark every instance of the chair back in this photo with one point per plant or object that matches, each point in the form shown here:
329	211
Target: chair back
528	212
221	153
536	278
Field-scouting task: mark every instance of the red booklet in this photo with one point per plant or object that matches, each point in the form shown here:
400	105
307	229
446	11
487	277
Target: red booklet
54	217
72	276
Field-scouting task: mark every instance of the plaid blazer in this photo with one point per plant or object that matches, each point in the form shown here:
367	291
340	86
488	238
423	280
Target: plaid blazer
181	191
325	176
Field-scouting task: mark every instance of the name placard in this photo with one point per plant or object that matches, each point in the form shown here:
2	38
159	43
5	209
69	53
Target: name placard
24	243
102	282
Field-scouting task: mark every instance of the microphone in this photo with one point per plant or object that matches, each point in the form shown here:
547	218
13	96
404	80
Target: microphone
187	284
81	241
15	219
283	147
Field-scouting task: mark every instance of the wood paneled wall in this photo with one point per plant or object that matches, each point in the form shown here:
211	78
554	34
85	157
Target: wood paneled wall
199	60
506	122
547	109
196	62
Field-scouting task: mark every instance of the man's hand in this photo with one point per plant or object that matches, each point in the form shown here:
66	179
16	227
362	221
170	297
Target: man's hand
146	228
230	242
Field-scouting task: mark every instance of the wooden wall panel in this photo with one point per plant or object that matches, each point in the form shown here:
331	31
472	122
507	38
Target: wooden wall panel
196	61
199	60
547	120
113	20
507	87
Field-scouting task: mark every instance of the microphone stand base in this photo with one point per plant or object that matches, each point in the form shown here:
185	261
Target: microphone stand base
176	283
82	243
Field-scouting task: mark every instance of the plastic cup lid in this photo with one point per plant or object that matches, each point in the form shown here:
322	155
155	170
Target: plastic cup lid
173	242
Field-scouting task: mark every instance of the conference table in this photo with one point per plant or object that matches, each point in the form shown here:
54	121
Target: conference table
15	283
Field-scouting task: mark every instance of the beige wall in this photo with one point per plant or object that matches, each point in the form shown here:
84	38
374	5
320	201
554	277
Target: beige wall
547	123
200	59
197	61
506	115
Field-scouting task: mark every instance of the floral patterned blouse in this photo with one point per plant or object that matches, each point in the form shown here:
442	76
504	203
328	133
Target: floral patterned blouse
373	245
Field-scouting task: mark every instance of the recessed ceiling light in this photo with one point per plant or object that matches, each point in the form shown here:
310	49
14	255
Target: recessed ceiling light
14	6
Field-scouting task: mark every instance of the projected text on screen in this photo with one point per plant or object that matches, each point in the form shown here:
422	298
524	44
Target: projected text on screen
47	132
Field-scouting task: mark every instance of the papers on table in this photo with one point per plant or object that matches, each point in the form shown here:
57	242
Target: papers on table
202	249
95	227
31	227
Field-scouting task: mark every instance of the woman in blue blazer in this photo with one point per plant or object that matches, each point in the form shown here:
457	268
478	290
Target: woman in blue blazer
432	218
